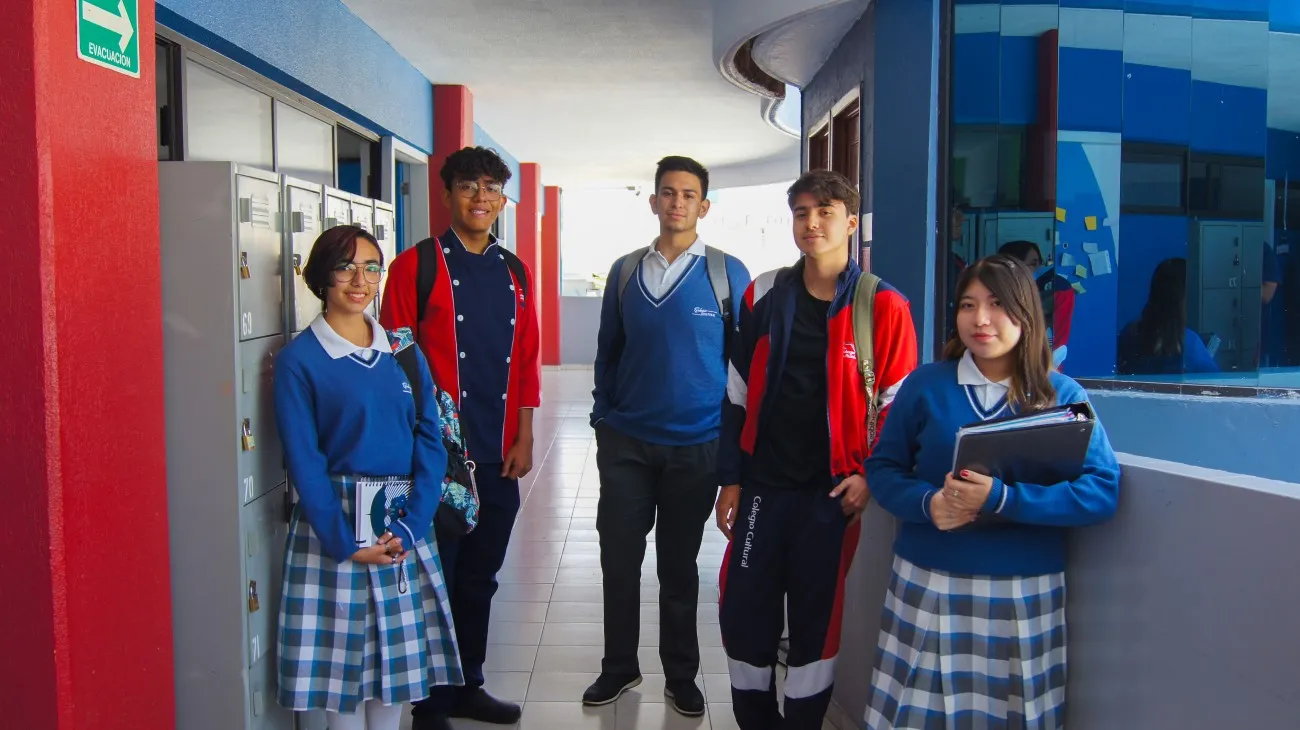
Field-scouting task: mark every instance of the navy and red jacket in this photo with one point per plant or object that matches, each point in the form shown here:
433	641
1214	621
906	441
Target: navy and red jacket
437	332
758	359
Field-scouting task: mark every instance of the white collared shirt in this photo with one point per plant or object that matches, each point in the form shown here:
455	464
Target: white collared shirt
988	392
337	347
659	276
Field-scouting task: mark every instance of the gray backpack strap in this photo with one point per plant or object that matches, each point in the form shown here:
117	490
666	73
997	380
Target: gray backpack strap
627	266
864	300
717	263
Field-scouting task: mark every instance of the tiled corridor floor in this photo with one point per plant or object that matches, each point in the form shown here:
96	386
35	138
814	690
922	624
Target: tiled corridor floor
546	636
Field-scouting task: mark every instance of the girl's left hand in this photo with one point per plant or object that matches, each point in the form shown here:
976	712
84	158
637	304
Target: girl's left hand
969	491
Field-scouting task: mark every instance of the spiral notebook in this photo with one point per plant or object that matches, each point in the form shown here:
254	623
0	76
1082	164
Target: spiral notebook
378	502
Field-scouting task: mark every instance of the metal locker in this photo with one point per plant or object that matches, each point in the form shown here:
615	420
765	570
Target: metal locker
303	202
258	255
264	534
338	208
264	712
363	213
386	235
261	458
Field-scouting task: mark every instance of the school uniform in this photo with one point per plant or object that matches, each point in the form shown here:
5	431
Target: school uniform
795	427
973	632
660	378
480	333
350	632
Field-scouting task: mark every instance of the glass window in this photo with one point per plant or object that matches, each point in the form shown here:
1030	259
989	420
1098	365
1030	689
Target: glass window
226	120
358	164
304	145
165	108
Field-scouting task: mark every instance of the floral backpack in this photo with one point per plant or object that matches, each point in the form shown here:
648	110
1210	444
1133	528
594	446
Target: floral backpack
458	512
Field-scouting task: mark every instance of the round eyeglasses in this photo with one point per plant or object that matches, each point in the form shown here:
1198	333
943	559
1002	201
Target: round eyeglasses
471	189
348	272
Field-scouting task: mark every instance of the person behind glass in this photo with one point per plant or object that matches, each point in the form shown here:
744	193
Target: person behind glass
361	630
479	330
660	377
795	434
973	628
1159	342
1055	292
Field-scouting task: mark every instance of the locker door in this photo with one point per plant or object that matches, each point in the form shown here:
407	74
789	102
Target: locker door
386	234
257	258
261	467
338	209
304	207
363	215
264	713
1221	306
264	534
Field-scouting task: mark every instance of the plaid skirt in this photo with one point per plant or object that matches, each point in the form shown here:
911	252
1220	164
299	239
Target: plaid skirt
349	632
961	652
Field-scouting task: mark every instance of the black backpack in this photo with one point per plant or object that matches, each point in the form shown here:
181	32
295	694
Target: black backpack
430	258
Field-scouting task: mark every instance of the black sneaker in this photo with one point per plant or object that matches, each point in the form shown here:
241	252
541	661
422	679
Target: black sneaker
608	688
478	705
430	721
686	697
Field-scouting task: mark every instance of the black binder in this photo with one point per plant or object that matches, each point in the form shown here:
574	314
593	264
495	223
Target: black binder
1045	447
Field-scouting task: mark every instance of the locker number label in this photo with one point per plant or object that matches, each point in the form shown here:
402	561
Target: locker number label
245	324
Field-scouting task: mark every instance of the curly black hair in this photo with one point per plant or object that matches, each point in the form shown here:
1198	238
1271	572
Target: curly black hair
472	163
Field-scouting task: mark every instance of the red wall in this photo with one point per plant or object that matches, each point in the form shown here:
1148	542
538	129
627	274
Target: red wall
453	129
85	624
551	278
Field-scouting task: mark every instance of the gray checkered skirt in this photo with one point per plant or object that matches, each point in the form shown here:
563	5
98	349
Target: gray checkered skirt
351	632
960	652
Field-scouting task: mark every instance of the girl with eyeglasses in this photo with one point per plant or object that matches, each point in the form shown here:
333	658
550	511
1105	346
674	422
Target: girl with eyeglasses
362	630
973	630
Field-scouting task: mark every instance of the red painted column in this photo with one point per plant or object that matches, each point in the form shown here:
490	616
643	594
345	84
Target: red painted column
551	272
528	229
85	624
453	129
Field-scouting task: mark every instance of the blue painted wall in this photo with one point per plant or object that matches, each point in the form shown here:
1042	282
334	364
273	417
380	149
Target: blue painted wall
483	139
1254	436
319	49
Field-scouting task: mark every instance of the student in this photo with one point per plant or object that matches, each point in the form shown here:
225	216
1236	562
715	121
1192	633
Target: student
973	629
797	429
1055	292
1159	342
478	328
661	374
345	410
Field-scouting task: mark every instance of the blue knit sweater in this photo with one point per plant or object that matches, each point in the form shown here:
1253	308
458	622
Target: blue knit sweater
915	453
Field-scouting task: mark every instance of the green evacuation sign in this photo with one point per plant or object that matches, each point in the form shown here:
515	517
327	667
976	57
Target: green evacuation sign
107	34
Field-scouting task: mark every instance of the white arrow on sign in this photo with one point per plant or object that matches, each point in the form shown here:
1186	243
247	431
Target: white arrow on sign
119	22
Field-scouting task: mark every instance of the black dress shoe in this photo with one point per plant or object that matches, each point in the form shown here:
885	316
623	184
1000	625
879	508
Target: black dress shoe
686	697
478	705
430	721
608	688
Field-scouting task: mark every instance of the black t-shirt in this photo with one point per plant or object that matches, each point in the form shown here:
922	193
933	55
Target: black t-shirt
794	442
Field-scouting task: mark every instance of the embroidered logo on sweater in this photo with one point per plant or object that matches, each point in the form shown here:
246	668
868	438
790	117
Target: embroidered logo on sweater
702	312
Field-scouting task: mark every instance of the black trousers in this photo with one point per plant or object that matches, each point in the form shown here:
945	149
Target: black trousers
670	488
469	567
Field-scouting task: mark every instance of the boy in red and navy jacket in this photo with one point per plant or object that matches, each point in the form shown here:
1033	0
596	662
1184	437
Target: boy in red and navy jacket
793	444
479	331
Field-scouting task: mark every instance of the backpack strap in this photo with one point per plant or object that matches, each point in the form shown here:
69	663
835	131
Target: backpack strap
407	355
864	300
516	267
428	258
627	266
717	263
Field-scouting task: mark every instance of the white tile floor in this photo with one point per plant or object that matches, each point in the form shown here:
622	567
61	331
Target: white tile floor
545	641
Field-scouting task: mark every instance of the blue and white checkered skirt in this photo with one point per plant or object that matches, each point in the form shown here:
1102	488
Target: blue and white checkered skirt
348	634
961	652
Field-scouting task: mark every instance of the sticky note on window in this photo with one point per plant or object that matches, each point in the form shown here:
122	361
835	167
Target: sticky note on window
1060	214
1067	261
1091	248
1108	223
1079	288
1081	271
1090	222
1100	263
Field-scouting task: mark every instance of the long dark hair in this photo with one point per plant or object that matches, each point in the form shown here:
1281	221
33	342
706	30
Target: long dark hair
1012	283
1163	323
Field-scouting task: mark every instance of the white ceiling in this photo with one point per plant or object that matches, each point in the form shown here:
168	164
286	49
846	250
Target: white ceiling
596	91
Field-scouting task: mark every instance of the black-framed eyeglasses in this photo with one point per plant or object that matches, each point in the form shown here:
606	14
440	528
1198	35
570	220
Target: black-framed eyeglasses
347	272
470	189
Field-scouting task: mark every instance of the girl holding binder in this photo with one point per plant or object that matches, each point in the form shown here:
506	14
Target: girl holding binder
365	621
973	629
